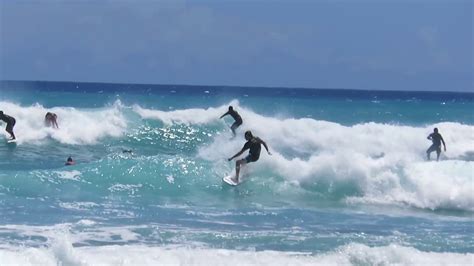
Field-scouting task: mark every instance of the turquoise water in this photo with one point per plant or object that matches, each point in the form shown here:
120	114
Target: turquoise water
347	181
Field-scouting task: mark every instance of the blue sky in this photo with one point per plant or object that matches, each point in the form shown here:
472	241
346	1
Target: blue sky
381	45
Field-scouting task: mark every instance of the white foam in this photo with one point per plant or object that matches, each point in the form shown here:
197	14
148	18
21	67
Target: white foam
358	254
63	253
76	126
86	222
125	187
188	116
170	179
67	245
309	136
383	162
431	185
78	205
74	175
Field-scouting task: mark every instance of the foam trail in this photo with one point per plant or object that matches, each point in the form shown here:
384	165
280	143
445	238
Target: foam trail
75	126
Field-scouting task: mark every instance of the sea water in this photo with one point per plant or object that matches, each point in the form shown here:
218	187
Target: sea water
348	181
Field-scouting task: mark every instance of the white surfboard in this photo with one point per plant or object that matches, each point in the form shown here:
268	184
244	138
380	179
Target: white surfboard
11	141
228	180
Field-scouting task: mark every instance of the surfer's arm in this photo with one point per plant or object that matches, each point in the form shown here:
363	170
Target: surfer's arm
246	147
265	145
224	115
236	155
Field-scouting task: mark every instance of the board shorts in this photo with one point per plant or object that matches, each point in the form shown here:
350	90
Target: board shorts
433	148
250	158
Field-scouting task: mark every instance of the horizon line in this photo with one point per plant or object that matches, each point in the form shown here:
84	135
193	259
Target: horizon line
233	86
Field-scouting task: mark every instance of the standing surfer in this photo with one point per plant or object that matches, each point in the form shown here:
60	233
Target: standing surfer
236	116
10	124
436	138
254	144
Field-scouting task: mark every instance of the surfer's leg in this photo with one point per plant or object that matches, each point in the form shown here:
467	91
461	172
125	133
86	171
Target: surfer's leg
9	129
237	168
429	151
233	127
438	152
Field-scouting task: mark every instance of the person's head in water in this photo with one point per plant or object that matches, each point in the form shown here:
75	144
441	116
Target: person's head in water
231	108
248	135
69	161
1	112
435	130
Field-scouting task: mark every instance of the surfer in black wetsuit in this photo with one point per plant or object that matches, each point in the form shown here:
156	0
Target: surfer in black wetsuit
254	144
10	123
436	138
236	116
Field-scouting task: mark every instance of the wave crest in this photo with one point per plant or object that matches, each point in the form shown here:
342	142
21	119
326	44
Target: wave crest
76	126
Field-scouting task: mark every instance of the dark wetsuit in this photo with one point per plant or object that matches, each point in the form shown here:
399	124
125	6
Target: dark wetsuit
237	118
10	122
254	144
436	138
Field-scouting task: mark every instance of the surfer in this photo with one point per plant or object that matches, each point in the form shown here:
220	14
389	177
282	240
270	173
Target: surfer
254	144
436	138
50	120
70	161
236	116
10	124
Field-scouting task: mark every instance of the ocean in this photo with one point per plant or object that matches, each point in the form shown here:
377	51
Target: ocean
348	181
